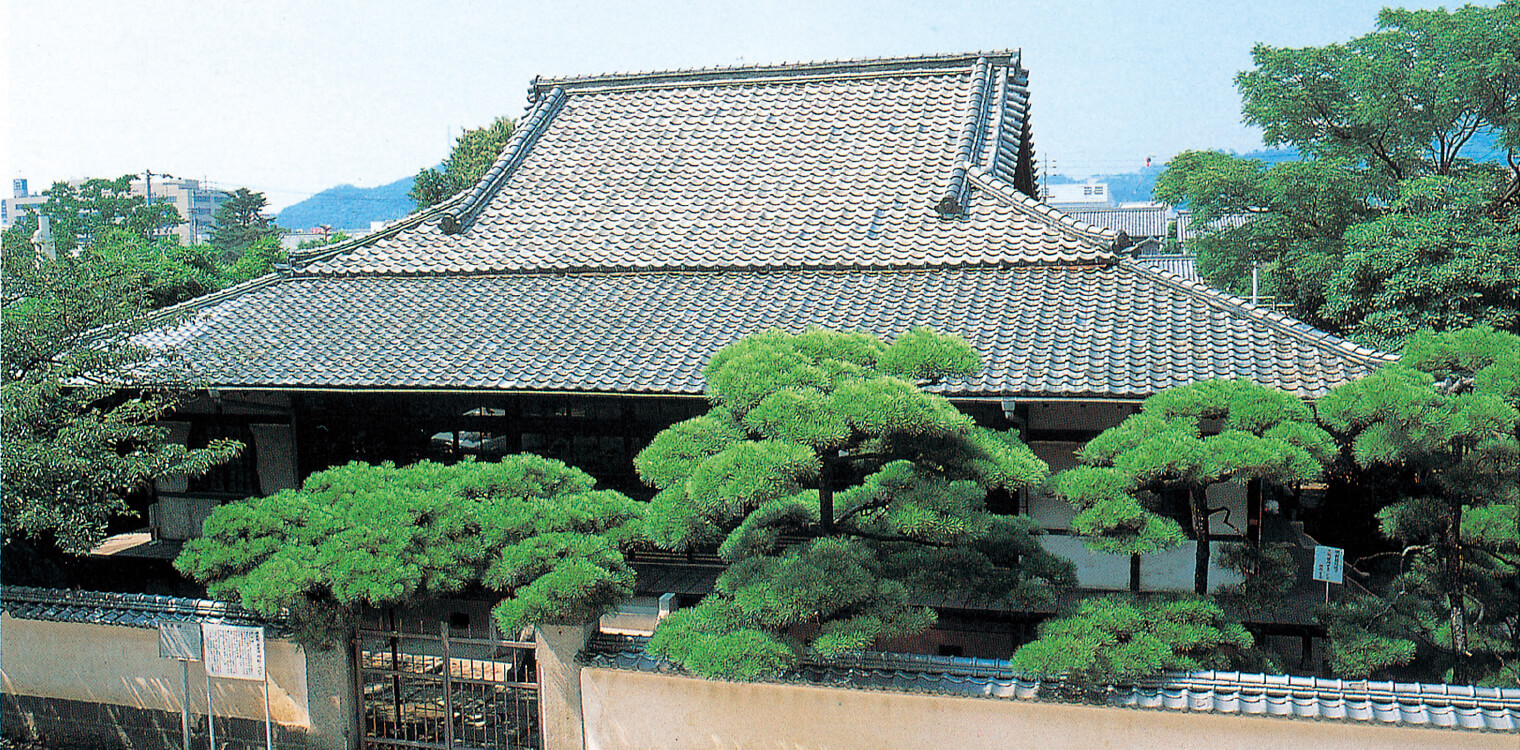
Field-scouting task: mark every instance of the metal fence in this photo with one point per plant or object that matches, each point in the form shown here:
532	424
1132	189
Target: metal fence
450	688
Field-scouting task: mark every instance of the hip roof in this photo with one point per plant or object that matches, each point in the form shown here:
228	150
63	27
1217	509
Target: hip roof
637	223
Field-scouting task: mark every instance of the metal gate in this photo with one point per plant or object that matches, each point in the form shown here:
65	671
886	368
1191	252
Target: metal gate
424	684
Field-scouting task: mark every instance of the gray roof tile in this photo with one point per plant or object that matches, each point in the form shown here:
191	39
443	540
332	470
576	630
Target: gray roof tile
1121	331
1183	266
1148	221
636	224
125	610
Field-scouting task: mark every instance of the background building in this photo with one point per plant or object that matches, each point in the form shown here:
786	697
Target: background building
195	201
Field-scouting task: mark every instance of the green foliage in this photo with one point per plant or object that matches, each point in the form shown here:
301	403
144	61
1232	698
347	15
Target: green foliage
1385	228
359	535
1448	599
332	238
473	153
75	444
254	260
1265	435
240	225
818	435
1268	575
1434	260
1119	639
78	214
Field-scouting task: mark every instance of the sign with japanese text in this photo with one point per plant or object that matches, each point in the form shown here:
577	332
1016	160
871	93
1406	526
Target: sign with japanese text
234	651
1329	563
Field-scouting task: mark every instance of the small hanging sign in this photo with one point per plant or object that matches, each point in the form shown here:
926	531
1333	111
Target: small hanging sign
1329	564
179	640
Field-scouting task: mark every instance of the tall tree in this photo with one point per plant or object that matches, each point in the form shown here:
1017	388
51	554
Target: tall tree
358	535
240	223
1442	422
76	444
837	489
1389	224
474	152
1129	472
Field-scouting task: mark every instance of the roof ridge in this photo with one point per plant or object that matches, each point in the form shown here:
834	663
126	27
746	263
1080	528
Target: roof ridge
973	122
298	262
731	75
457	217
1010	151
572	270
1010	194
420	216
1289	325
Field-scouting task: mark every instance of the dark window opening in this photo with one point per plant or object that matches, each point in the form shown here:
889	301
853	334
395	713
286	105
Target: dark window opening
238	477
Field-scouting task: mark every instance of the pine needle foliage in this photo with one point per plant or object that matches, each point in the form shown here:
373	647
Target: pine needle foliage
837	488
1263	435
1120	639
359	535
1442	424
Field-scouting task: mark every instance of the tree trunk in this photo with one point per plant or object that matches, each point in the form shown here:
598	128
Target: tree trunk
826	491
1198	500
1455	591
1134	573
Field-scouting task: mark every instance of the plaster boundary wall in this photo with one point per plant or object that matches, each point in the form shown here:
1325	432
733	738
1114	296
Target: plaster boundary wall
633	709
91	683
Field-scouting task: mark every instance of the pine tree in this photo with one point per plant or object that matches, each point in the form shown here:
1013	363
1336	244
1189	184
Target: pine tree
1128	471
1441	423
359	535
838	491
241	223
1112	639
473	154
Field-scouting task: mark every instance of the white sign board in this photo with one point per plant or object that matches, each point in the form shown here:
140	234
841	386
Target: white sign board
1329	563
179	640
234	651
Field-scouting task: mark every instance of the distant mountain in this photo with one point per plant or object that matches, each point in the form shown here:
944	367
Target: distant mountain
349	207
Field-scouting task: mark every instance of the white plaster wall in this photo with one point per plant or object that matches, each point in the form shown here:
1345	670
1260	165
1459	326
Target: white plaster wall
1171	570
1230	495
120	666
182	517
625	709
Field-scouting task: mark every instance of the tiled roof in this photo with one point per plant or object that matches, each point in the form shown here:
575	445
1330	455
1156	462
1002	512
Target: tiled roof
1188	229
1148	221
637	223
1182	266
828	166
124	610
1111	331
1450	706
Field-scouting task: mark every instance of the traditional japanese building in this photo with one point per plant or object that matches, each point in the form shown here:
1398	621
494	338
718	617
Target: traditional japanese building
635	224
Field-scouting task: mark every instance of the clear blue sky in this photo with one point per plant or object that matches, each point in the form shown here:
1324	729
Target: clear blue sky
291	97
